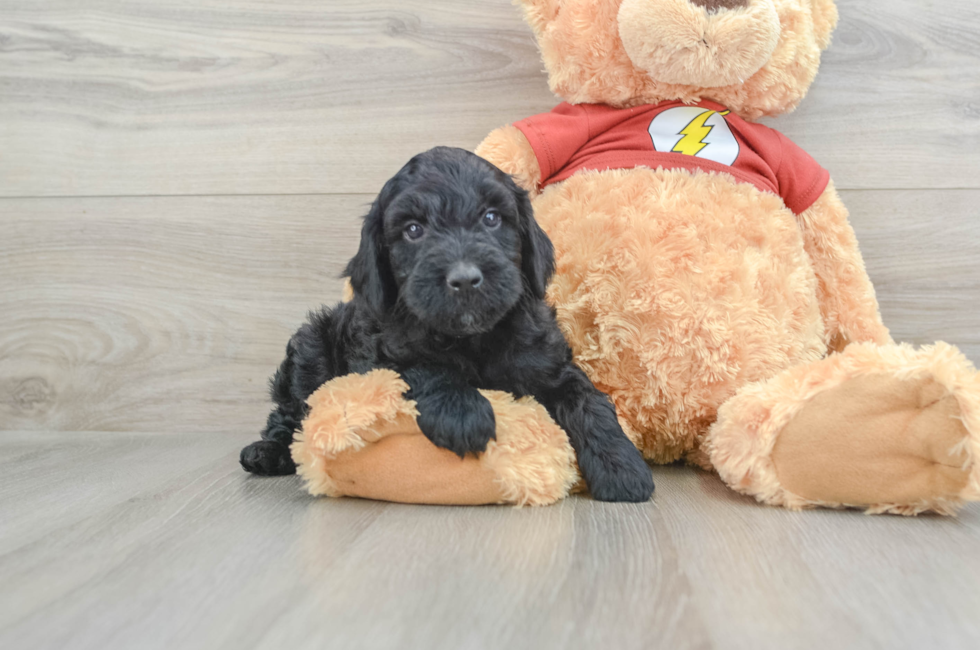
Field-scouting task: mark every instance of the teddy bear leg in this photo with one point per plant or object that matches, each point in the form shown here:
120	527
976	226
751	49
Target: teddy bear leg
883	428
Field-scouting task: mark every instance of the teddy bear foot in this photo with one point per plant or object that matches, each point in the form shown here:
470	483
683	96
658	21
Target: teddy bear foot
361	439
884	428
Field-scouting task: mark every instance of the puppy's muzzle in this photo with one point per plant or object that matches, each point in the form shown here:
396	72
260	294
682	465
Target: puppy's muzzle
464	278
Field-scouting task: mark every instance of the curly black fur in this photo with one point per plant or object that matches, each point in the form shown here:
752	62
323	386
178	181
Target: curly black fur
449	284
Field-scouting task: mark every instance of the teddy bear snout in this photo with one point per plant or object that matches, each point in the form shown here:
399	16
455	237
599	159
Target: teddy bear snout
702	43
718	5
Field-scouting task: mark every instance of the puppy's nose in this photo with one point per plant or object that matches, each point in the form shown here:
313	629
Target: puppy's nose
464	277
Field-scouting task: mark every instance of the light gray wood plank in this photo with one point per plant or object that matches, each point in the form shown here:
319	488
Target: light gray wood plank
141	563
922	251
897	102
166	569
246	96
168	314
171	313
580	574
767	577
179	97
71	475
200	555
149	314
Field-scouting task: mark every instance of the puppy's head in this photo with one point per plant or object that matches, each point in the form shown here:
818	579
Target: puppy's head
452	239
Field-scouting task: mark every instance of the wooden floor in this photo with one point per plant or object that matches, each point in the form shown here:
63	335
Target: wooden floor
180	181
146	540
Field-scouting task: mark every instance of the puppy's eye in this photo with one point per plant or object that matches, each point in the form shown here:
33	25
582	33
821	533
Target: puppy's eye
413	231
491	219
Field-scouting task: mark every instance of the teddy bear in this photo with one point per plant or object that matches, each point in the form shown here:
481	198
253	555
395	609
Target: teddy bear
707	279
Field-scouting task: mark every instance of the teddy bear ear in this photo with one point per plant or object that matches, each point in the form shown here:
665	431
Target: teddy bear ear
539	13
824	20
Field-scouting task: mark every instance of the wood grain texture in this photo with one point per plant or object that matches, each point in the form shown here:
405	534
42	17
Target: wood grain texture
179	97
260	96
161	541
896	103
137	335
922	251
146	314
765	577
119	313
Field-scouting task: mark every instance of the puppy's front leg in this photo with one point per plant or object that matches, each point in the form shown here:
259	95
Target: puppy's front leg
452	414
612	467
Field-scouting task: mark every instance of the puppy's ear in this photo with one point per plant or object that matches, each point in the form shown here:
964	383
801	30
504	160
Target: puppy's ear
370	269
537	252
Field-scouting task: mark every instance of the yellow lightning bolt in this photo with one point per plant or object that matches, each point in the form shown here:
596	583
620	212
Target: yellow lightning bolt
694	135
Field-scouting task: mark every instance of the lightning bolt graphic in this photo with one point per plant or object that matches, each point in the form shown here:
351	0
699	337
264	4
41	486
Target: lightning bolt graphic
694	135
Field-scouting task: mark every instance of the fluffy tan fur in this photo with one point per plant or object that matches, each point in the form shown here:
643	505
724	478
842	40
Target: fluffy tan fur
511	148
361	439
588	63
741	443
680	42
683	293
670	308
702	305
847	298
347	414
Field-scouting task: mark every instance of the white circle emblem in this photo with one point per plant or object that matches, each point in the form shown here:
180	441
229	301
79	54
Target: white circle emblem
695	131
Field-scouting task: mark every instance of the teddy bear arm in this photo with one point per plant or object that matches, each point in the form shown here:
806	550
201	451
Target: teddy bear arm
508	149
361	439
847	298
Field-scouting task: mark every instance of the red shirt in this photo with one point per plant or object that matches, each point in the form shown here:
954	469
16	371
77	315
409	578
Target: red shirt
673	135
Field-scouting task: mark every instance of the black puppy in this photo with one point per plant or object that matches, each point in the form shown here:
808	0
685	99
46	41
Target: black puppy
449	285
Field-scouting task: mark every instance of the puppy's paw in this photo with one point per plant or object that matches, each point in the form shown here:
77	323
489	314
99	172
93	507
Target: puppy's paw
617	474
461	421
267	458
